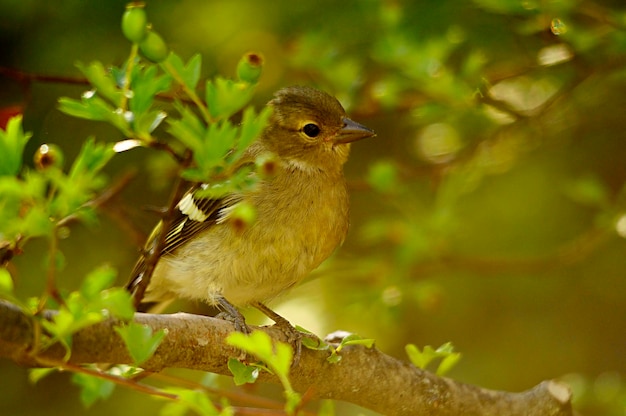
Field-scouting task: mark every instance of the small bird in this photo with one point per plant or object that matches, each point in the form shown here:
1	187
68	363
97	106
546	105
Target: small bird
301	215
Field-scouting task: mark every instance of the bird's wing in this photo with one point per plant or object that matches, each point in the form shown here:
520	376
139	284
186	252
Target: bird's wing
193	215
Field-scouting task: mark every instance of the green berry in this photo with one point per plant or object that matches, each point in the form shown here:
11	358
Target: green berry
135	23
242	216
250	67
48	155
153	47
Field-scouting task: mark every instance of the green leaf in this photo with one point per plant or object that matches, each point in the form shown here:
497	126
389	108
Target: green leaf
12	143
96	282
448	362
145	85
276	355
334	358
190	73
140	340
37	222
119	302
71	318
421	359
355	339
251	127
36	374
92	107
311	341
225	97
102	81
367	342
189	400
92	388
219	139
91	159
6	282
242	373
257	343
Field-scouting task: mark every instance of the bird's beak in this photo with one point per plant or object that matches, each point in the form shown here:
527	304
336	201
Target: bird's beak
352	131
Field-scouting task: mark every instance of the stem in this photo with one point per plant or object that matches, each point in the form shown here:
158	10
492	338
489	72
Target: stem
191	93
51	289
233	396
129	69
122	381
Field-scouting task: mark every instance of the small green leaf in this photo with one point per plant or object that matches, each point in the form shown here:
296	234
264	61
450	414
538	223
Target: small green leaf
242	373
251	127
145	84
119	302
96	282
140	340
367	342
257	343
189	400
92	388
225	97
334	358
355	339
421	359
276	355
448	362
190	73
218	140
6	282
92	158
71	318
92	108
102	81
416	356
311	341
36	374
12	143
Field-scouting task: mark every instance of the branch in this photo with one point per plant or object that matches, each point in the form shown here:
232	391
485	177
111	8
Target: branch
365	377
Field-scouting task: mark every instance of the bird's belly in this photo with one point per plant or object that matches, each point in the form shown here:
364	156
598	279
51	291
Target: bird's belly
253	266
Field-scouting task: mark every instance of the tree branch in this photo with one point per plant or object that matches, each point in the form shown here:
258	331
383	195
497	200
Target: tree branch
365	377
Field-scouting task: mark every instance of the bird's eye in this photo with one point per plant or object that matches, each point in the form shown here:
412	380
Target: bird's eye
311	129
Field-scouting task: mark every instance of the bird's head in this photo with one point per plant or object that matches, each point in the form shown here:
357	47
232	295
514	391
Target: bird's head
311	128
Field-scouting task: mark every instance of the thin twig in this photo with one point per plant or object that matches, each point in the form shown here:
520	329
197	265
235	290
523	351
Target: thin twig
122	381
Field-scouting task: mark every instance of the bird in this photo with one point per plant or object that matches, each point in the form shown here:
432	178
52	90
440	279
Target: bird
301	215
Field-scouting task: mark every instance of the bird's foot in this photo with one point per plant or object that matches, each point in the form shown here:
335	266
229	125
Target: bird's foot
231	314
294	337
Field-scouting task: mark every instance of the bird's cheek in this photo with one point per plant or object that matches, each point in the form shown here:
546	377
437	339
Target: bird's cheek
330	138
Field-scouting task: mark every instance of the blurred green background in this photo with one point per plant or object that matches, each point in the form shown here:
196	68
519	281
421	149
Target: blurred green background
490	211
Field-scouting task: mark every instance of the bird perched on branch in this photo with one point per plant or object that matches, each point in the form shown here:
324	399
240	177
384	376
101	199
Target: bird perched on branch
301	214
